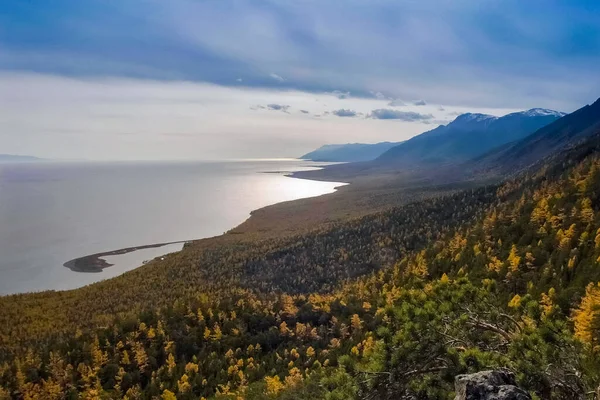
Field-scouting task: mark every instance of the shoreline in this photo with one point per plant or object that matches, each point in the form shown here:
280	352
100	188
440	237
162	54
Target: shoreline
95	263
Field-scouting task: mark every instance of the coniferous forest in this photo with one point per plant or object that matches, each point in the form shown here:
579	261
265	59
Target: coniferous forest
389	305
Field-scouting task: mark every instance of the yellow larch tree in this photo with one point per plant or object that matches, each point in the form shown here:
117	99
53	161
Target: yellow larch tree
587	316
514	259
274	385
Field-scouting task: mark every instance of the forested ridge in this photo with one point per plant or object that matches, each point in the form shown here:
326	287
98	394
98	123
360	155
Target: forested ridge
386	306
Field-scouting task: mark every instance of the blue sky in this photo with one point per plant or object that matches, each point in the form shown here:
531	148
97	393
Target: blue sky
495	55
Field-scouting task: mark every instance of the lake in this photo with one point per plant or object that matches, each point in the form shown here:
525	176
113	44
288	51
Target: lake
53	212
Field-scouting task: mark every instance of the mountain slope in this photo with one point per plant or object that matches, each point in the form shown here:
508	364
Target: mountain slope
468	136
349	152
564	131
392	305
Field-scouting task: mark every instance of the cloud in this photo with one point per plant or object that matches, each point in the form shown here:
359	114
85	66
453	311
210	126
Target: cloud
396	103
304	111
456	55
408	116
278	107
345	113
419	103
276	77
271	106
378	95
435	122
340	95
117	118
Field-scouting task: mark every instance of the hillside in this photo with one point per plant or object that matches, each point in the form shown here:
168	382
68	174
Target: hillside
349	152
389	304
468	136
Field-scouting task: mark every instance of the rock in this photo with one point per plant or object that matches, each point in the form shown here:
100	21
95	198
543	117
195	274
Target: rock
489	385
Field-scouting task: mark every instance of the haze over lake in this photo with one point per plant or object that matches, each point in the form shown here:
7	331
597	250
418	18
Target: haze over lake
53	212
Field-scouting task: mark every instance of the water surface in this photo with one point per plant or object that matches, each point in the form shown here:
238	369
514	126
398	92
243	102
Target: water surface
53	212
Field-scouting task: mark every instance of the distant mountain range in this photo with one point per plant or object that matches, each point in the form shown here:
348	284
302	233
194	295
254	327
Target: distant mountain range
455	152
349	152
468	136
6	158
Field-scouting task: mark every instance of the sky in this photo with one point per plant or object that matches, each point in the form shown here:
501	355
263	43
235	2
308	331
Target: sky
192	79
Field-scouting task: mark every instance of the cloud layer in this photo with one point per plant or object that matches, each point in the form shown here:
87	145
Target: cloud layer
410	116
278	107
235	78
344	113
143	119
455	52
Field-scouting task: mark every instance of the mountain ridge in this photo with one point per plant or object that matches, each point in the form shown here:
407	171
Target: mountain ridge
579	124
349	152
455	142
464	124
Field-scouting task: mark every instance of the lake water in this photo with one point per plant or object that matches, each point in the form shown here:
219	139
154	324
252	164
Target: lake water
53	212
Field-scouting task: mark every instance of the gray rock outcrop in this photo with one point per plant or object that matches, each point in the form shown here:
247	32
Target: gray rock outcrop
489	385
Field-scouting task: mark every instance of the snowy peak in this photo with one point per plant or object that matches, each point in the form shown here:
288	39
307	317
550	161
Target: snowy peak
479	121
474	117
472	121
479	118
542	112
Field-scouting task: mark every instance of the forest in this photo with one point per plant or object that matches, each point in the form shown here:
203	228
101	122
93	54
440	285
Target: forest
389	305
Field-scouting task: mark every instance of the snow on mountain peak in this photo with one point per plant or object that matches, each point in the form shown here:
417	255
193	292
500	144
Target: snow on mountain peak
541	112
474	117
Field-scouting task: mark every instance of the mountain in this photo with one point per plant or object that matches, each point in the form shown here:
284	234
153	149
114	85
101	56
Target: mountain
11	158
394	304
565	131
349	152
468	136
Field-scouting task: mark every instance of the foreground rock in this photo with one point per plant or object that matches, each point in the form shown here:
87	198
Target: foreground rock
489	385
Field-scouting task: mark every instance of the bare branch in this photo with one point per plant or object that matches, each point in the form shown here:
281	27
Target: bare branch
490	327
